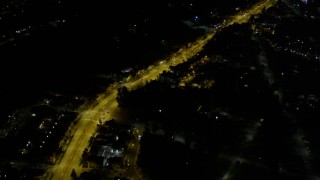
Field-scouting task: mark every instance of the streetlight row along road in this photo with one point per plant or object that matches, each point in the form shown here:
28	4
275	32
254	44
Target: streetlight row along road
87	122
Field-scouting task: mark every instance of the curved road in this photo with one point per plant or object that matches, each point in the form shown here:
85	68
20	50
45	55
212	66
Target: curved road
88	120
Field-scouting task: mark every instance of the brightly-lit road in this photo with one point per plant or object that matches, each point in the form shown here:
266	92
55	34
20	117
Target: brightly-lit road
88	119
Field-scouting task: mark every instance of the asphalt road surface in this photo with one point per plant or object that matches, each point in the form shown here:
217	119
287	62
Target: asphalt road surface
89	118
